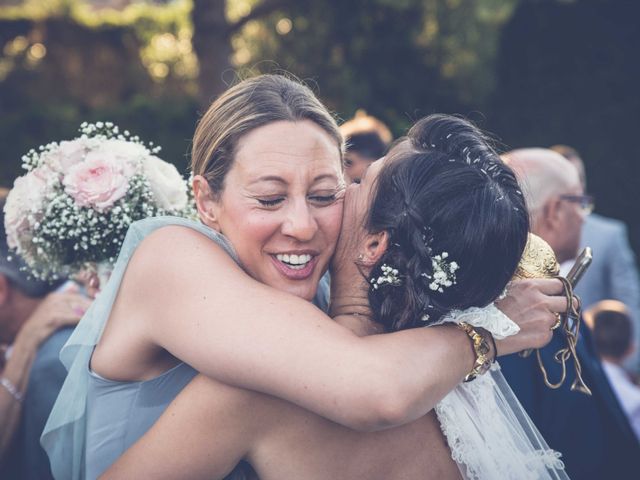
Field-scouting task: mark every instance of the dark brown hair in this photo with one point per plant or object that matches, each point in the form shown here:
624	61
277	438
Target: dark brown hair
444	189
612	333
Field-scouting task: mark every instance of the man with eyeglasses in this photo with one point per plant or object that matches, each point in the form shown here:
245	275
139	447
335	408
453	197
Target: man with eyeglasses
555	198
613	274
592	432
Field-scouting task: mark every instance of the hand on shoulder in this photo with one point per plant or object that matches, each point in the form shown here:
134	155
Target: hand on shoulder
57	310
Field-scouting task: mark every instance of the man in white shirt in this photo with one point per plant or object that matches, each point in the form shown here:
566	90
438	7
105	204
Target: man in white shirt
612	335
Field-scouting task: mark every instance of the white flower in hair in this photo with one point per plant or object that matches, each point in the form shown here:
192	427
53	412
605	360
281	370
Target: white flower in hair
389	277
444	273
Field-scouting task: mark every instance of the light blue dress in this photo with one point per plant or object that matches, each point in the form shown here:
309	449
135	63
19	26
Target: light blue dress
119	413
95	419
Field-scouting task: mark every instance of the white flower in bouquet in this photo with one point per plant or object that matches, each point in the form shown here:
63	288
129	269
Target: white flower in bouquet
73	207
170	193
22	213
69	153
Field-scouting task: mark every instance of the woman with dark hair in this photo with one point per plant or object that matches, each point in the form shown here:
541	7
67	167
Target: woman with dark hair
433	234
455	186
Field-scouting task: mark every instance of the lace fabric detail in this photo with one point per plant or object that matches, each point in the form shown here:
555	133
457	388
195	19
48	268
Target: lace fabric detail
489	433
490	318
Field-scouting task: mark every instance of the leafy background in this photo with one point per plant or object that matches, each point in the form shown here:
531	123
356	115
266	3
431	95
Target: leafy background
533	72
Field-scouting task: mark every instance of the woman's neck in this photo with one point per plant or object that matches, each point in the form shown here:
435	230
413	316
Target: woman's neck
350	303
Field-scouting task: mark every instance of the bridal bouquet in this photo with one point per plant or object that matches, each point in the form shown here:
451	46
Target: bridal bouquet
72	208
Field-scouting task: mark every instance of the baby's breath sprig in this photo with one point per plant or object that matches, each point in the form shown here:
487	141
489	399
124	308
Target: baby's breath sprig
444	273
389	277
107	130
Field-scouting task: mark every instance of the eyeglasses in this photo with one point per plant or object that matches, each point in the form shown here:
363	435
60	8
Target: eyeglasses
586	202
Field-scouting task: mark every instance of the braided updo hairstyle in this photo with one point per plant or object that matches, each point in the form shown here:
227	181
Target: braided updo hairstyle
444	189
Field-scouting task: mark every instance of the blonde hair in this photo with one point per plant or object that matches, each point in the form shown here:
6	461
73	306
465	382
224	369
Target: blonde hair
364	123
250	104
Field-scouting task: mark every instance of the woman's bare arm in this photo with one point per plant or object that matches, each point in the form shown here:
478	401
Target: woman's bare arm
202	308
203	433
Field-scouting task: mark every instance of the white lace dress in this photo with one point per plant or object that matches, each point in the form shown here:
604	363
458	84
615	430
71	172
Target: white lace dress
488	431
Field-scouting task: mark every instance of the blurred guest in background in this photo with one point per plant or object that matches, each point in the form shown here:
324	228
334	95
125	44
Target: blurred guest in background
592	432
613	273
367	140
612	335
35	321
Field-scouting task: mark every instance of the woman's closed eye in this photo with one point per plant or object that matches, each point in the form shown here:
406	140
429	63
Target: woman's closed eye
270	202
317	199
323	199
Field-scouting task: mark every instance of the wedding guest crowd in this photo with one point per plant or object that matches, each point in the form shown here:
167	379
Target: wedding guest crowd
613	274
591	431
35	321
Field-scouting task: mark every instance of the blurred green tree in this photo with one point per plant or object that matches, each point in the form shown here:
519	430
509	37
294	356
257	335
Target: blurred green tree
62	62
565	69
568	73
398	59
214	25
66	61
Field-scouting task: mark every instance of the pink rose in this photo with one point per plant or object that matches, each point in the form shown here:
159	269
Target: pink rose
24	204
68	154
99	181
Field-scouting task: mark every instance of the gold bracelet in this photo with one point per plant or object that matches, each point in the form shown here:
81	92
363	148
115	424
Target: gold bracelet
481	348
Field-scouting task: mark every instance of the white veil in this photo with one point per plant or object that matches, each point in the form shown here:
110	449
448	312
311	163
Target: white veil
488	431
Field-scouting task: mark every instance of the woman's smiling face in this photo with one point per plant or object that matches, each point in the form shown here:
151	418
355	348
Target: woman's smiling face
281	206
